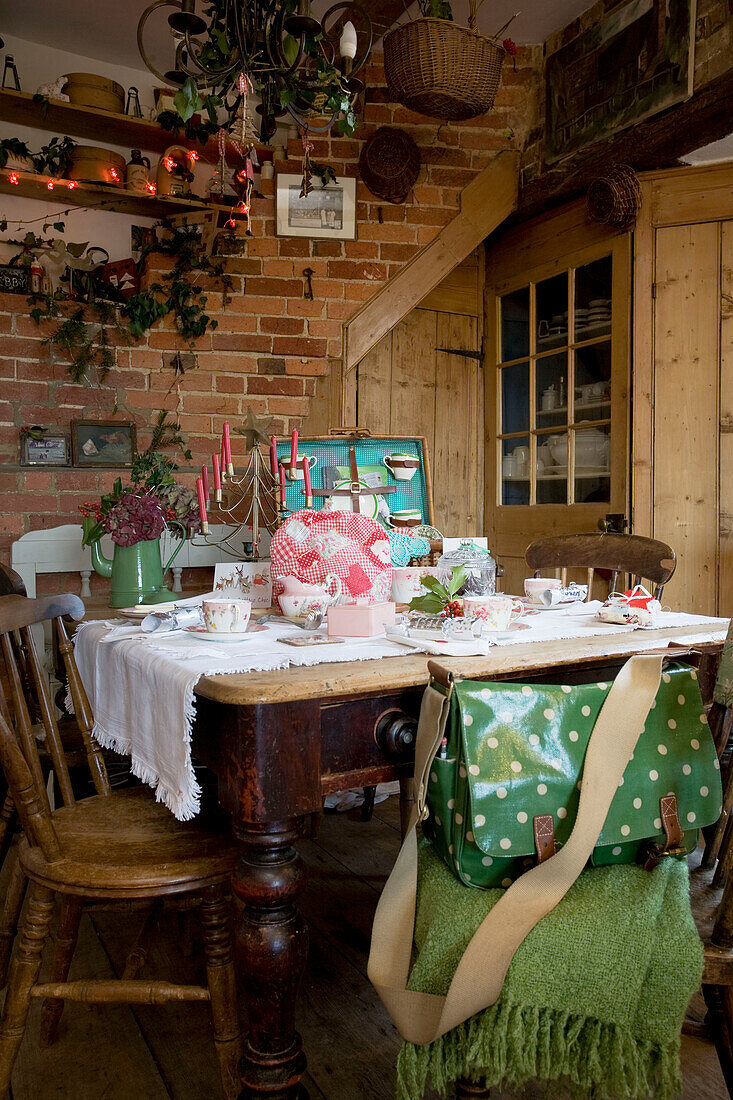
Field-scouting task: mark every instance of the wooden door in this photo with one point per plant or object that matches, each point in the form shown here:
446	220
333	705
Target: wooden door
407	386
692	481
556	383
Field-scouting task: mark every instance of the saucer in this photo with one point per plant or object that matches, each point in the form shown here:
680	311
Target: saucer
225	636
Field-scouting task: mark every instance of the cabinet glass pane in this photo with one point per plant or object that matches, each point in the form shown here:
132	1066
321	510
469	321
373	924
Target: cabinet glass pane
592	462
593	299
593	382
552	312
515	398
515	458
552	464
515	324
551	397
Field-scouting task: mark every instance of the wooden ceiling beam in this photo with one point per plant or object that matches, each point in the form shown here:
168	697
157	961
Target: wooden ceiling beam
657	142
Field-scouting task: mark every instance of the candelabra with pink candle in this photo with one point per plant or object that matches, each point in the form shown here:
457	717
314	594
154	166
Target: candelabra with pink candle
245	501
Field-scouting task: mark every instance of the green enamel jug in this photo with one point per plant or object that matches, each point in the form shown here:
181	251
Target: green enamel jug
136	571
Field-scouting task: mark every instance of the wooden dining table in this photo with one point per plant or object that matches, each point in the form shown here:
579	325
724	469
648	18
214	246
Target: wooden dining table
280	741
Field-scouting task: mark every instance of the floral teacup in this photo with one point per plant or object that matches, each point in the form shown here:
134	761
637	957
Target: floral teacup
495	612
226	616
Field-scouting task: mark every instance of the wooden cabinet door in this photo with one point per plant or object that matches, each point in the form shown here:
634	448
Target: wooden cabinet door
556	389
407	385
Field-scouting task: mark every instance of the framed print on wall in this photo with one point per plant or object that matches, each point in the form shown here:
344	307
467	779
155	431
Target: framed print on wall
111	443
47	449
327	212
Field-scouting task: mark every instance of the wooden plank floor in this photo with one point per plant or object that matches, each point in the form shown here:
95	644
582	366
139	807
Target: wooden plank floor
153	1053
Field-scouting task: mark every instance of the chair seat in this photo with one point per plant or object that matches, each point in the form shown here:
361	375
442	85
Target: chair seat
129	845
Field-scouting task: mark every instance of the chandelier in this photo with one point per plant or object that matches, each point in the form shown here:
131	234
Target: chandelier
299	65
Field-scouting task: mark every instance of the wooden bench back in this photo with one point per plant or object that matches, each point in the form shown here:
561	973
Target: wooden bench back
641	558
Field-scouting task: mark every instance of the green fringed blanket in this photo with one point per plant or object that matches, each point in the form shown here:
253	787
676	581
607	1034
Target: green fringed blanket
595	996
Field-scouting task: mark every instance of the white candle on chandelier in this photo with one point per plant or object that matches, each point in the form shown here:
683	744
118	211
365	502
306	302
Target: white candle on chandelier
348	41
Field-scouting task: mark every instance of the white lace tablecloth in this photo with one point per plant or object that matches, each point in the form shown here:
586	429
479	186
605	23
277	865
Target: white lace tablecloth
141	687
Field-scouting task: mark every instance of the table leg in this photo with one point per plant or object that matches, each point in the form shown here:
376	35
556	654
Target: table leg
272	945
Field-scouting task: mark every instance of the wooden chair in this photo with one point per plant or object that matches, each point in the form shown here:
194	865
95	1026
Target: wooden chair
641	558
113	845
712	905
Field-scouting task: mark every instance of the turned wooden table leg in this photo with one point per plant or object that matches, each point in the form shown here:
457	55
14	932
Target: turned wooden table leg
272	944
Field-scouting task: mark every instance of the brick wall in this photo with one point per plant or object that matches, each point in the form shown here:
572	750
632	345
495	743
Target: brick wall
271	345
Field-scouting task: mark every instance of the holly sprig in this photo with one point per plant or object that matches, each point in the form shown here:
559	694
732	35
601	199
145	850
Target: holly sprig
440	598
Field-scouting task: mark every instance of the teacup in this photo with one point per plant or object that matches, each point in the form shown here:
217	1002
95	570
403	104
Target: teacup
300	608
406	517
314	599
226	616
533	586
312	460
407	583
496	612
402	466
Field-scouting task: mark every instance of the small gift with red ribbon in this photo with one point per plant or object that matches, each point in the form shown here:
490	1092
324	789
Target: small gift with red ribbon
635	607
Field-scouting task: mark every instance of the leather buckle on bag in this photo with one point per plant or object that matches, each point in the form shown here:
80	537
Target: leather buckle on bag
673	833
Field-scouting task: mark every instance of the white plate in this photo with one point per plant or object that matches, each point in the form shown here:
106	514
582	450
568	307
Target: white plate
369	504
531	606
143	609
220	636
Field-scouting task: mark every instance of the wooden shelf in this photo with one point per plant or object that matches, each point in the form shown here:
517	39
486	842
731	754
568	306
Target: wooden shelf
116	199
578	405
563	477
106	127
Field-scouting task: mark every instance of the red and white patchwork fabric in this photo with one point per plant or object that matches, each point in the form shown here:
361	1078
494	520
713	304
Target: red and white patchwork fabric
355	548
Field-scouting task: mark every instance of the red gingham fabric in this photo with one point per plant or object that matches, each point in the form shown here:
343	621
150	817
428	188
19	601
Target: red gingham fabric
355	548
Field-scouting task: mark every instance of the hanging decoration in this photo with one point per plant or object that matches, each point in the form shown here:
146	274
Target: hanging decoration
297	64
306	184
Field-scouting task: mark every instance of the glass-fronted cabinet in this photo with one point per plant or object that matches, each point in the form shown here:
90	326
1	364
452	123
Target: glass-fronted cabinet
558	335
555	388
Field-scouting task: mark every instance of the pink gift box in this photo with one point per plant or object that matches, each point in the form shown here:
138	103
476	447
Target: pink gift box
358	619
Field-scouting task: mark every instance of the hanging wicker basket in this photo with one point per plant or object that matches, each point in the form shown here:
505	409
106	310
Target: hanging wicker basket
615	199
439	69
390	164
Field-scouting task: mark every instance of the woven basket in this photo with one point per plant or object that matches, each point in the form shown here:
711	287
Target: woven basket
390	164
439	69
615	199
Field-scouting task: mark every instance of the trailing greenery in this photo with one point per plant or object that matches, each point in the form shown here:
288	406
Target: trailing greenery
12	147
167	433
85	342
88	335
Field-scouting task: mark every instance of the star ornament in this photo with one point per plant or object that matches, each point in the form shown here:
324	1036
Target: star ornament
255	430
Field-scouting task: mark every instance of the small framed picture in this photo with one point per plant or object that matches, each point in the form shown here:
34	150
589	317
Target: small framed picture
51	449
328	212
103	442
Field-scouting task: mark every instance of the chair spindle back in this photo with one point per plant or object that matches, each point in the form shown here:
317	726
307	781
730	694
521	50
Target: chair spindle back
641	558
30	694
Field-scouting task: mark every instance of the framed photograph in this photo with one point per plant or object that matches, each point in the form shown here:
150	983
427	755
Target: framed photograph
328	212
51	450
109	443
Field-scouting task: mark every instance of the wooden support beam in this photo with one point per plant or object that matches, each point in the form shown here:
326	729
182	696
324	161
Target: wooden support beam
383	13
657	142
485	203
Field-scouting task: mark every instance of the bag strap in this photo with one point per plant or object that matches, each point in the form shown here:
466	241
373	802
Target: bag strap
479	977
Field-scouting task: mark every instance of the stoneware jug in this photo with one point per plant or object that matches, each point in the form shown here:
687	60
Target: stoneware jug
136	572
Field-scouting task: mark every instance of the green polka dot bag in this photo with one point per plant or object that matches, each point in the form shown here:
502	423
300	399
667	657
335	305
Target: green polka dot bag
504	786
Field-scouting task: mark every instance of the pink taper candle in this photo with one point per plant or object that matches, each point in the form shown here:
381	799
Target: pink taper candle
227	445
273	455
202	504
294	452
282	486
217	477
307	482
205	480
